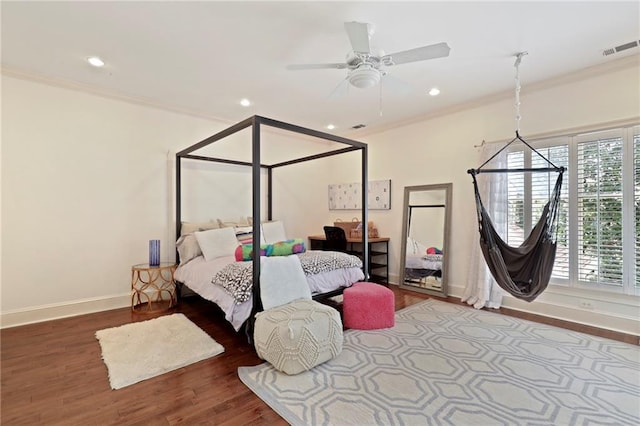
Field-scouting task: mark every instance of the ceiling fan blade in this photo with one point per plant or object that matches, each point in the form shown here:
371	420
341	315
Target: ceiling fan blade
296	67
433	51
358	33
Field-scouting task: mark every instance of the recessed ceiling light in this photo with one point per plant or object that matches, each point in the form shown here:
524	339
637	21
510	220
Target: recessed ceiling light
95	61
245	102
330	126
434	91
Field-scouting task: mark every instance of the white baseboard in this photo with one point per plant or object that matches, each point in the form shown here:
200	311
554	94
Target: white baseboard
610	319
62	310
554	306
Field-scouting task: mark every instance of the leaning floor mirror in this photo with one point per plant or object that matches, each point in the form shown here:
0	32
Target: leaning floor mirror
425	238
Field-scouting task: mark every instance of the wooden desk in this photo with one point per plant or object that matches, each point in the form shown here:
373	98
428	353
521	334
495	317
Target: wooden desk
378	254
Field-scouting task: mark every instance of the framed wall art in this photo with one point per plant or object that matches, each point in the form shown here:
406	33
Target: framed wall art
347	196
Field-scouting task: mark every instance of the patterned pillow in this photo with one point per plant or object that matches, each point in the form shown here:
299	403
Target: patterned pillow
244	234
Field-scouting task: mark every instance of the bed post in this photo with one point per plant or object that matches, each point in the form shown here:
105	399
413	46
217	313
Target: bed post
178	199
256	123
365	215
255	179
269	194
178	216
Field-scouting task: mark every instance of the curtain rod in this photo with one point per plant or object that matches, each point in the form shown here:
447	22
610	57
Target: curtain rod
573	131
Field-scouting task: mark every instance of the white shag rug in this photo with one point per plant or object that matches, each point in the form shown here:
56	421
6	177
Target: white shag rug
141	350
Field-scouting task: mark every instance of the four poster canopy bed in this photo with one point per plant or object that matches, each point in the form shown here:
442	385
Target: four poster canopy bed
218	262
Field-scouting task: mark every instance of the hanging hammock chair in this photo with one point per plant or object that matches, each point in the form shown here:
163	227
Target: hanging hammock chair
523	271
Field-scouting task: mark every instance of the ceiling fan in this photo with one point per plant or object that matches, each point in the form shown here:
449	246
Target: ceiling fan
365	68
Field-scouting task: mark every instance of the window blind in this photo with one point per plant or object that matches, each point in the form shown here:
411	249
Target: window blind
516	200
542	185
636	169
599	211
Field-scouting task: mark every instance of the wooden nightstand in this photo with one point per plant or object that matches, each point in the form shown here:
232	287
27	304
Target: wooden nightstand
152	287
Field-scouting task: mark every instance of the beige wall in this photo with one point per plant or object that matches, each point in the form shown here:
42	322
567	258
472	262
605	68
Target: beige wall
87	181
441	149
85	185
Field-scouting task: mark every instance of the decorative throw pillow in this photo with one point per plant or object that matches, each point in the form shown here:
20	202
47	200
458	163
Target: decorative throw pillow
288	247
217	242
244	252
231	224
245	235
273	231
191	227
188	248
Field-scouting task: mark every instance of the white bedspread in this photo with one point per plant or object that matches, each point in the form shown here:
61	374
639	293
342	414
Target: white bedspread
197	275
424	261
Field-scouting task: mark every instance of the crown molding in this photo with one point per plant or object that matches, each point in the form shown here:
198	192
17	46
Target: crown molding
626	62
631	61
104	93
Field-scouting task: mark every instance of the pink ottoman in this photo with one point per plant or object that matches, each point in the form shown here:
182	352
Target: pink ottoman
367	306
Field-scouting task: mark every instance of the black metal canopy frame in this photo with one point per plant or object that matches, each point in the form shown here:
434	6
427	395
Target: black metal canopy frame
256	123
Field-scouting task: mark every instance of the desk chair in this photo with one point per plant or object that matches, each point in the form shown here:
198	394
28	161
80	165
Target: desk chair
336	238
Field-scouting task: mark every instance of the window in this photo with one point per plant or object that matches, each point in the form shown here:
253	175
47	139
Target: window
598	232
636	202
528	193
599	209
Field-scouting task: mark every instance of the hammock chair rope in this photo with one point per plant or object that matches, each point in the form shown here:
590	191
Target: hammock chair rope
523	271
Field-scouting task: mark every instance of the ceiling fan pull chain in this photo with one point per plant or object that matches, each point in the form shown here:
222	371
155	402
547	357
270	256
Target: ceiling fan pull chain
380	100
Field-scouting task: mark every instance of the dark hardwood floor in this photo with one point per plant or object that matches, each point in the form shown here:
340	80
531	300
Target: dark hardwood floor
52	373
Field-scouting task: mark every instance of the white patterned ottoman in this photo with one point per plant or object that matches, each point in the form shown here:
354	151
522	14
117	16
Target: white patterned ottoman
298	336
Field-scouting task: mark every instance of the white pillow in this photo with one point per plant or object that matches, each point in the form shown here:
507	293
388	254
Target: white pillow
217	242
188	248
282	281
191	227
273	232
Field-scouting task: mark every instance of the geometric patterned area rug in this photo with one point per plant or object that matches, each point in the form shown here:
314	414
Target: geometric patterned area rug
449	364
141	350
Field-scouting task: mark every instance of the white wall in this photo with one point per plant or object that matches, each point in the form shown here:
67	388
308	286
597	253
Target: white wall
86	182
441	149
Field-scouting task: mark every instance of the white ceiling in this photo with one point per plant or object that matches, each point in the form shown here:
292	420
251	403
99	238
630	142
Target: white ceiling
203	57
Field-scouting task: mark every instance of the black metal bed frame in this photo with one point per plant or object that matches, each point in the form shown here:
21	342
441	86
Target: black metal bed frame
256	122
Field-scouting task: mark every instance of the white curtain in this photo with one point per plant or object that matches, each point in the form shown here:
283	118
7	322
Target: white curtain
482	290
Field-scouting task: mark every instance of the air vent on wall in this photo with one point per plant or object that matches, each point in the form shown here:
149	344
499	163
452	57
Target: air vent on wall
621	48
359	126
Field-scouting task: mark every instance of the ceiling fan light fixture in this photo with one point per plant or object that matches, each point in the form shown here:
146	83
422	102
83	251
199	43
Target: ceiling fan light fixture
364	77
434	91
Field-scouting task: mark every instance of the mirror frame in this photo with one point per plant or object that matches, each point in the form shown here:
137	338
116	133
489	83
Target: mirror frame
448	188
